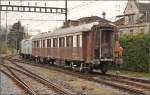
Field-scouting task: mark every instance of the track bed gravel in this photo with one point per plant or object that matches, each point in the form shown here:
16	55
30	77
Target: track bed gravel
73	84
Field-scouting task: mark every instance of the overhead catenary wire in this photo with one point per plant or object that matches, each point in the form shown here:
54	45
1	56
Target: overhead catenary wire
21	4
70	10
83	4
40	20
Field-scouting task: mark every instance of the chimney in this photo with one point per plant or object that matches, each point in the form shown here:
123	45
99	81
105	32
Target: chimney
71	23
104	15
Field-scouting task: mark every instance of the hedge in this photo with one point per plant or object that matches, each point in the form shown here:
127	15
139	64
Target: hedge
136	52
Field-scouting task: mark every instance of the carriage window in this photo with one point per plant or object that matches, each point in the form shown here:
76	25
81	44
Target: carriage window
48	42
34	44
61	42
98	38
78	40
106	37
69	41
43	43
38	45
55	43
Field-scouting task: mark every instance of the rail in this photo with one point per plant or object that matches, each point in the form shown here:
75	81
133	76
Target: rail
129	84
19	82
49	84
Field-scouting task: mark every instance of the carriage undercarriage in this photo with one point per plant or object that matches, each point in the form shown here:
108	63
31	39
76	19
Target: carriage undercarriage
75	65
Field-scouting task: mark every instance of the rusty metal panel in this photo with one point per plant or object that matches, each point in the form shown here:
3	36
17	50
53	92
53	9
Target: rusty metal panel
87	45
59	53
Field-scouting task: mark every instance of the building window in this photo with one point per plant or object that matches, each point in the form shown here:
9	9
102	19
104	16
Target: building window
131	19
61	42
69	41
48	42
78	40
130	6
55	42
142	30
131	31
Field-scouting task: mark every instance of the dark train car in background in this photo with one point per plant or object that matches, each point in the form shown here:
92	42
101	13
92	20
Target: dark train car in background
26	48
84	47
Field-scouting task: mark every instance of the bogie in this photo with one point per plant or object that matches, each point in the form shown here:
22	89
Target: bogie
104	67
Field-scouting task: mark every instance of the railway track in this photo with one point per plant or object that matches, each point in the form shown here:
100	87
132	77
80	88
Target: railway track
14	76
18	81
132	85
123	84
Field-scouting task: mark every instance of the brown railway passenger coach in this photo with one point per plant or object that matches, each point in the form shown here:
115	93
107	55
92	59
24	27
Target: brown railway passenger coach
84	47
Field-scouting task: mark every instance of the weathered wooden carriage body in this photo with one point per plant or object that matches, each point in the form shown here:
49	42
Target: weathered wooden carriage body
87	46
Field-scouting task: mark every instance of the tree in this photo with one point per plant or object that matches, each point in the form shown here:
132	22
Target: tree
15	35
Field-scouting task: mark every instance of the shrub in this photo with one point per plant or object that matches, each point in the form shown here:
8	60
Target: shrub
136	52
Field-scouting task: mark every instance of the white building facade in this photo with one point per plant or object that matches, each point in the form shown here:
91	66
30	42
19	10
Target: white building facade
135	19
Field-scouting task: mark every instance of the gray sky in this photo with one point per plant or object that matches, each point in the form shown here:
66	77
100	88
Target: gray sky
77	9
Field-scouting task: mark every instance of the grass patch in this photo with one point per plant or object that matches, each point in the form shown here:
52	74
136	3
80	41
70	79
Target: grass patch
131	74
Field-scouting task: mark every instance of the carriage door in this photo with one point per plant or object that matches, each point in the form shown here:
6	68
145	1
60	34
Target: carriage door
103	46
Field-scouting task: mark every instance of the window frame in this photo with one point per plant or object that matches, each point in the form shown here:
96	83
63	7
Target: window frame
69	41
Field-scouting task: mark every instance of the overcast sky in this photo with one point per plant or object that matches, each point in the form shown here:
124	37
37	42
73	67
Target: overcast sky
77	9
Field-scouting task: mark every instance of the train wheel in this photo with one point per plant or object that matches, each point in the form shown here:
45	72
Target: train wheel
22	55
44	61
86	68
81	67
73	66
52	61
36	60
104	68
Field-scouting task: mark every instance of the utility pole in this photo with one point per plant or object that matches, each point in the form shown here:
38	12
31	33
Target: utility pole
6	31
27	31
66	9
0	22
149	41
0	43
16	41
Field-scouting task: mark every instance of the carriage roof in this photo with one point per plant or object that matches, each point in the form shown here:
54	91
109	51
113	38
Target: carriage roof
70	30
